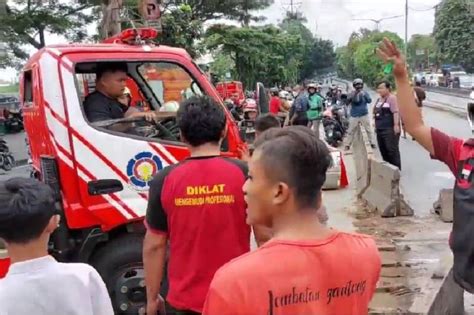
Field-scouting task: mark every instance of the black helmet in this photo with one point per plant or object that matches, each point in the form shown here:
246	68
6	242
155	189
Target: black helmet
357	82
228	104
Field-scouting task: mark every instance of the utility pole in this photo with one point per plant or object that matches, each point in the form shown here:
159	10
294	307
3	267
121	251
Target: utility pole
110	24
292	8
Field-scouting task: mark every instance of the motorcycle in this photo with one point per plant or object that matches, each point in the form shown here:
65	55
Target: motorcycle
7	161
332	129
339	111
14	122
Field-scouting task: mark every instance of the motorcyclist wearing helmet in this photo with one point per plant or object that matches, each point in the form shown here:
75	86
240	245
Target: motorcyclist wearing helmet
233	109
456	153
250	109
285	101
275	102
315	108
359	113
331	95
298	115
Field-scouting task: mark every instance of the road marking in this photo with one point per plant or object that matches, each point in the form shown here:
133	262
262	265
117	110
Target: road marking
446	175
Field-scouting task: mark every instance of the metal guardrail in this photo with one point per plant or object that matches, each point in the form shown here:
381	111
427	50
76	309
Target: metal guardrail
448	91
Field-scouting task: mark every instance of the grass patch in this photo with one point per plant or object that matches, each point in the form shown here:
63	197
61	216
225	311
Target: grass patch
10	89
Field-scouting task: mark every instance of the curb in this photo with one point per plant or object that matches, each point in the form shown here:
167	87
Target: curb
22	162
442	296
446	108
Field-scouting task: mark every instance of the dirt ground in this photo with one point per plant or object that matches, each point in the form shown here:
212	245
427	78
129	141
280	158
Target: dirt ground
410	247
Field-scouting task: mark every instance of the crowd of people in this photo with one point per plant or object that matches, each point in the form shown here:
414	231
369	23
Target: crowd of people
203	222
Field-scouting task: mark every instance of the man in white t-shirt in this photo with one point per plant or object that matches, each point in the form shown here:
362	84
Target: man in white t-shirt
36	283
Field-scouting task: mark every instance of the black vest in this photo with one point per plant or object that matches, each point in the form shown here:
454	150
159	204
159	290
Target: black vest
462	237
383	115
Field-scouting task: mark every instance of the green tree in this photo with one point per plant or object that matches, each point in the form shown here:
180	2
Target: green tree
259	53
222	64
454	33
321	59
27	23
421	43
358	57
238	10
181	30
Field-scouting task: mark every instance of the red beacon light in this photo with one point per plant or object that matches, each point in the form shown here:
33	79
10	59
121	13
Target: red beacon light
133	36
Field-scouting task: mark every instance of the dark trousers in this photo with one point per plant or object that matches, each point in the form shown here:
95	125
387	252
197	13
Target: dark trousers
388	143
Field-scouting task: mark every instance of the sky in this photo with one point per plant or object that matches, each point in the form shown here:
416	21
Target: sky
334	19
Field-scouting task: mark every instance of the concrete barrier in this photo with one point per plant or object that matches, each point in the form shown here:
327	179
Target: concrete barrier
444	205
383	193
362	153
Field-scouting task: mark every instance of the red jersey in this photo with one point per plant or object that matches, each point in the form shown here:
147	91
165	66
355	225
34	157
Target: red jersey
332	276
275	105
199	203
446	149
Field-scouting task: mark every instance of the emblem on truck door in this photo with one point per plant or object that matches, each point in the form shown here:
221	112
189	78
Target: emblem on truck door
142	168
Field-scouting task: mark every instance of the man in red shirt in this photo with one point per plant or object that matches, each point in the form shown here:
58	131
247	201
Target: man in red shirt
198	205
456	153
306	268
275	101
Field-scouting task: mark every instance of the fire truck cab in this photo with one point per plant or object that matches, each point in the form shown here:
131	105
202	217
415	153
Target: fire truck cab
101	171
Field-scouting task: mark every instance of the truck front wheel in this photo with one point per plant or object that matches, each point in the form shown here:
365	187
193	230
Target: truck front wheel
120	264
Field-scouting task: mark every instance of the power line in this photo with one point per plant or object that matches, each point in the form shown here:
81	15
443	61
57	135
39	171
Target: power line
422	10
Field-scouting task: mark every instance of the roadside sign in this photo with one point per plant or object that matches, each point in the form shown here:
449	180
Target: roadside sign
150	9
420	52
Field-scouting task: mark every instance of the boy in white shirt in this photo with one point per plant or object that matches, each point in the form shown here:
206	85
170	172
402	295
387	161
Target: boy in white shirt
36	283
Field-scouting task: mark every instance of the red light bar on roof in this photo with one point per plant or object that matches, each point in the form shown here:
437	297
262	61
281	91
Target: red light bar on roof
133	36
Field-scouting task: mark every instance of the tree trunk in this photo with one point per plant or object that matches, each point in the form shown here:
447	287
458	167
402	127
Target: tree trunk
41	37
110	24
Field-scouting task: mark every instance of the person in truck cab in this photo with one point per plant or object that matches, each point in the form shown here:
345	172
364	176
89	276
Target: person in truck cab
457	154
103	103
36	283
198	205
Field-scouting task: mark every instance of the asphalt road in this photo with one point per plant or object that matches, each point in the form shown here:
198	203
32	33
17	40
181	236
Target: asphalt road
422	178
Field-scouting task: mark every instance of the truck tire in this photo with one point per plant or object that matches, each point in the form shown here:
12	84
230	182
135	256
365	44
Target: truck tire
120	264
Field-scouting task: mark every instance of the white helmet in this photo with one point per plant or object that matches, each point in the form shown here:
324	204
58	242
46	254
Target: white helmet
283	94
171	106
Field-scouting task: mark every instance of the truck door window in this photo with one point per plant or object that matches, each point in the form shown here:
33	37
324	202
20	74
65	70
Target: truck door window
27	88
169	82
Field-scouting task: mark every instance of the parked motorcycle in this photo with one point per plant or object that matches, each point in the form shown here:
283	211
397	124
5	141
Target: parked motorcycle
14	121
7	161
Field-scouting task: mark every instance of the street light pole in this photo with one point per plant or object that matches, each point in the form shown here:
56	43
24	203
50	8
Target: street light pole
377	22
406	28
